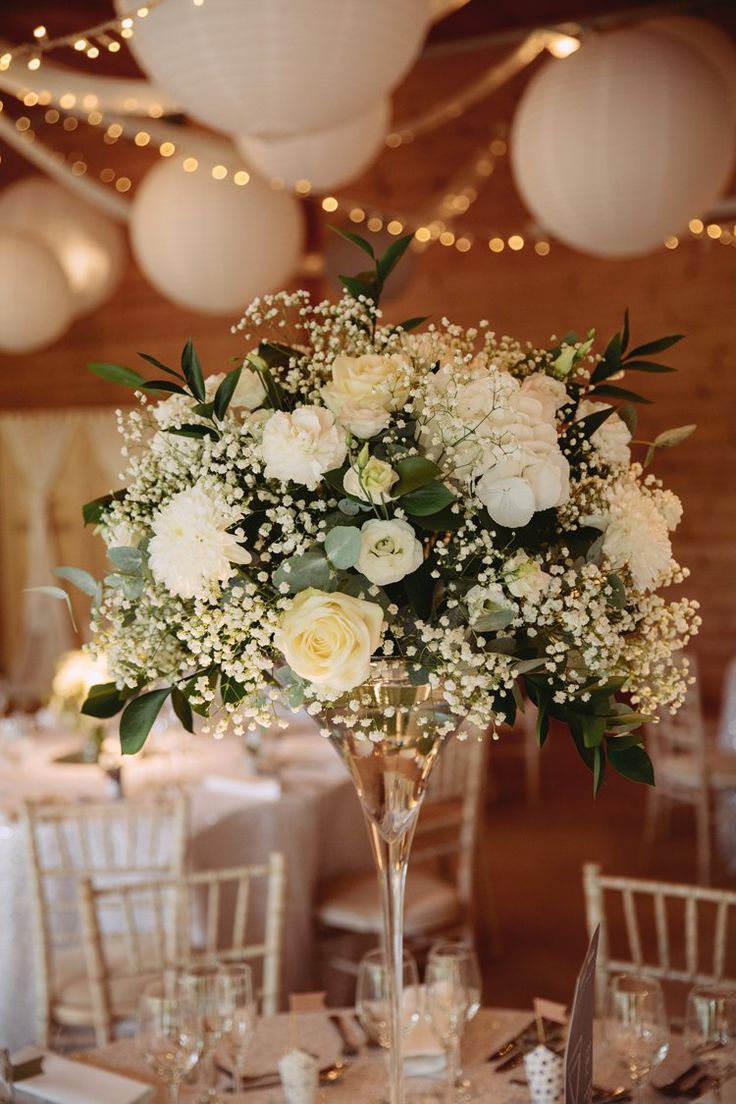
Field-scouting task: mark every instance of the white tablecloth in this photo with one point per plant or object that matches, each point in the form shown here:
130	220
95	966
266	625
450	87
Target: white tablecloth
316	822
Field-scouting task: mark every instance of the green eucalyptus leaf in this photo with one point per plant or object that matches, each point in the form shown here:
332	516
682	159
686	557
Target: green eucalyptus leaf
138	719
349	507
342	545
54	592
311	569
671	437
128	561
79	578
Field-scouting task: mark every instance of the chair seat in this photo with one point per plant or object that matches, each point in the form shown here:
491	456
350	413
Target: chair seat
683	769
353	903
71	999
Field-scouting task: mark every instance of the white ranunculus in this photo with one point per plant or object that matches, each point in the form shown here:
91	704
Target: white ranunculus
368	380
372	482
636	536
612	438
363	419
525	578
389	550
302	446
508	499
328	639
191	550
549	392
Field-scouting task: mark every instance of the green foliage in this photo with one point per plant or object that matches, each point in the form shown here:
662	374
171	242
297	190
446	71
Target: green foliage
225	392
668	439
427	499
159	364
79	578
311	569
182	708
54	592
192	370
138	718
94	511
370	284
195	430
118	373
104	700
342	545
413	472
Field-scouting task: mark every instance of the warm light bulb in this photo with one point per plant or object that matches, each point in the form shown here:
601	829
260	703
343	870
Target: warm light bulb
562	45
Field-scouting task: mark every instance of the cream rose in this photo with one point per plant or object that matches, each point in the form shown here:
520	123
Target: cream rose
372	482
371	379
549	393
302	446
249	391
364	420
389	550
328	639
612	438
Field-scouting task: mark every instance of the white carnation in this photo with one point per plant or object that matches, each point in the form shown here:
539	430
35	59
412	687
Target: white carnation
389	550
610	439
191	550
302	446
636	536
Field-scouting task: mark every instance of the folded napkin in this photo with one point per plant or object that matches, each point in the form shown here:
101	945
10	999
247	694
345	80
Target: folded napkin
257	788
67	1082
424	1055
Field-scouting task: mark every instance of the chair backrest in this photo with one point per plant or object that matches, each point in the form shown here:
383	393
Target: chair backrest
104	842
674	932
169	922
448	823
727	717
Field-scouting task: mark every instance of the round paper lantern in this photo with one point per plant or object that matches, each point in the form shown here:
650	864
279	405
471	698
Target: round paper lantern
89	247
713	44
326	158
619	145
282	66
210	244
36	305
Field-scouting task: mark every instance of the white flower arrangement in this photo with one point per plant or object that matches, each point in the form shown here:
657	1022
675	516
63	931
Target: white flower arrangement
356	491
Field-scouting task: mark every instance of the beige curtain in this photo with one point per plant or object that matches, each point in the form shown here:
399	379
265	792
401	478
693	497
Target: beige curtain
50	464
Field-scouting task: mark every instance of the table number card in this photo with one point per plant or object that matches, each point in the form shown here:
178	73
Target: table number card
579	1050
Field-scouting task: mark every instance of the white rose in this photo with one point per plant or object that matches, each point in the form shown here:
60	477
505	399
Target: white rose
612	438
372	482
488	607
328	639
302	446
368	380
549	392
389	550
525	578
249	391
364	420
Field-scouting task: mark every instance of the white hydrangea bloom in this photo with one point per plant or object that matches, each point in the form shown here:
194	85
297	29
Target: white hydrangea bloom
191	551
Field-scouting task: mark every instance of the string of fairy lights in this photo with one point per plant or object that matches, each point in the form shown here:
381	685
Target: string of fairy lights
443	219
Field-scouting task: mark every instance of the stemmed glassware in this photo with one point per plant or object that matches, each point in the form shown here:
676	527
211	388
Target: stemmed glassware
710	1031
201	986
238	1010
635	1026
372	1000
453	993
169	1035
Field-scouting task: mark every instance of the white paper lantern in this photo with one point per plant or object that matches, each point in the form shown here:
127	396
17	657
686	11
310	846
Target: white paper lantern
711	42
326	158
275	67
618	146
89	247
36	305
209	244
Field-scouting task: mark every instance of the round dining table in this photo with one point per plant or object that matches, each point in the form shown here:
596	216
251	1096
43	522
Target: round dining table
305	808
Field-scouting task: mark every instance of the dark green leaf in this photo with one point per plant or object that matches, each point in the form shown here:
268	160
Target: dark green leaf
409	324
657	346
646	366
587	426
335	477
608	391
158	364
618	595
104	700
118	373
225	392
631	762
355	239
625	333
232	692
419	587
203	410
94	511
164	385
428	499
444	521
542	723
413	472
194	430
387	263
192	370
357	287
78	578
593	729
629	417
599	768
138	718
182	708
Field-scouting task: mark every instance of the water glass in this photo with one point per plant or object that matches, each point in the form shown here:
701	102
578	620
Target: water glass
200	985
635	1026
453	994
238	1011
169	1036
372	996
710	1031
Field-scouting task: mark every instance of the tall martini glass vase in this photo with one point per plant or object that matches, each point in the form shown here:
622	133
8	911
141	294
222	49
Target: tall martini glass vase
390	746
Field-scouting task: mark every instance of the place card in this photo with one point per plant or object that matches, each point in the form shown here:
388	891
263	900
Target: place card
579	1049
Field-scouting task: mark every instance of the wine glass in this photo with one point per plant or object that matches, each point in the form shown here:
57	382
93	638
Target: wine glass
169	1035
453	988
635	1026
372	996
710	1031
238	1010
200	984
